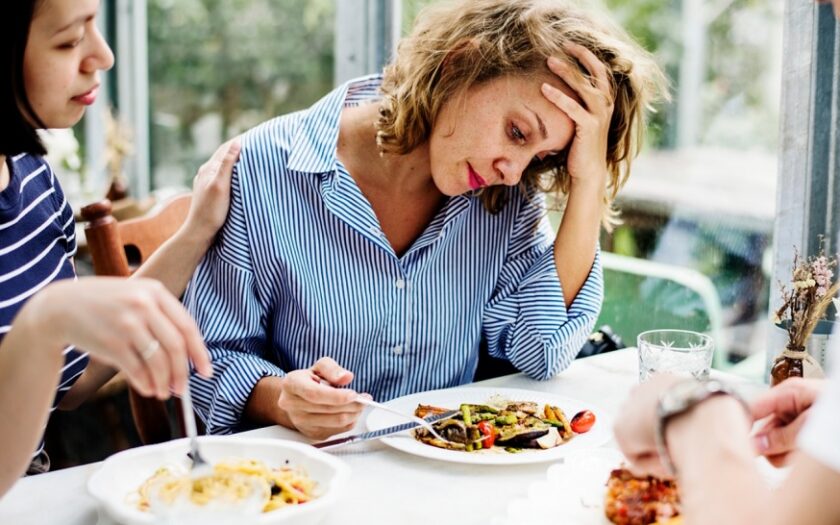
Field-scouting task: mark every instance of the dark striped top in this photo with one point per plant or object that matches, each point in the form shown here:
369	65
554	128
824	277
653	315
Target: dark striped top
37	244
302	270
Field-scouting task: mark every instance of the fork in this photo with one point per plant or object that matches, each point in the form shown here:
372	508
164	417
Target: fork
420	421
200	466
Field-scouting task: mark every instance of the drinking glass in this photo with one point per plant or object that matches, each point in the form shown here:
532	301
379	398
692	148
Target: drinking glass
678	352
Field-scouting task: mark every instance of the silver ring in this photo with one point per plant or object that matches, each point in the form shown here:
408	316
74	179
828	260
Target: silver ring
150	350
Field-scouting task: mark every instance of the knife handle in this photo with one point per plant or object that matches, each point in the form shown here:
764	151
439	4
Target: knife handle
335	442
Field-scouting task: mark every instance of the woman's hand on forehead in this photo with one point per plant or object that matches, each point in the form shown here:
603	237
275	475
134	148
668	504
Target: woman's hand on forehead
591	112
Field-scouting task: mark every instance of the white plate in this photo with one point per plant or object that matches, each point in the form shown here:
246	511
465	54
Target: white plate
452	398
577	485
121	474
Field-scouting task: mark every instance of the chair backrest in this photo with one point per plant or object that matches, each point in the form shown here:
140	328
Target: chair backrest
117	249
642	295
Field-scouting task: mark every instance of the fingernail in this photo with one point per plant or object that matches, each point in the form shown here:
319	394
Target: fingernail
548	88
366	396
554	61
762	443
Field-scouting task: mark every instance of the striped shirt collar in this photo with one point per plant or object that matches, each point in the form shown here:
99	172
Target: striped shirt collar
315	144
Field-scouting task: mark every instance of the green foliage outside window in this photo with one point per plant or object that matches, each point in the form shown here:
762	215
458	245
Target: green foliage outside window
219	67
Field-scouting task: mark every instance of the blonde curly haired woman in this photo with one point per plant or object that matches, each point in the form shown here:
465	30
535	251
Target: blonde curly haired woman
377	239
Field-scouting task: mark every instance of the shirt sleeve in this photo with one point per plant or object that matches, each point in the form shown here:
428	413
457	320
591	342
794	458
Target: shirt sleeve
526	321
821	434
223	299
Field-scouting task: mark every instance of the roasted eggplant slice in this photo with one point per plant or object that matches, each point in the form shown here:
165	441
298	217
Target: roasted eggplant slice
521	437
452	429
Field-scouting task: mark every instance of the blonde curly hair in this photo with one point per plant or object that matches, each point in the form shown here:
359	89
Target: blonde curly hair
455	45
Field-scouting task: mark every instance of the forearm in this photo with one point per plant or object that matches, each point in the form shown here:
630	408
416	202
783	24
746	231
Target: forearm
175	261
577	237
92	379
808	495
546	334
30	365
262	406
719	480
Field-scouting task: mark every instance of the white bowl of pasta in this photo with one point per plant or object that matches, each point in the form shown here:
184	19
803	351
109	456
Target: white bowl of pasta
152	484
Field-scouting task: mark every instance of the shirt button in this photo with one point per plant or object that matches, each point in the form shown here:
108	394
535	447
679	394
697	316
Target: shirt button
374	230
398	350
400	284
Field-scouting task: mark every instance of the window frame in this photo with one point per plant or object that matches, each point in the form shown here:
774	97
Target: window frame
365	44
808	189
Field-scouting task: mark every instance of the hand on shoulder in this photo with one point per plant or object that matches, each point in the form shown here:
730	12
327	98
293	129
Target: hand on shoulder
211	193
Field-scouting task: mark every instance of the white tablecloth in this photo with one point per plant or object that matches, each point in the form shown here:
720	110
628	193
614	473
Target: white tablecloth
387	486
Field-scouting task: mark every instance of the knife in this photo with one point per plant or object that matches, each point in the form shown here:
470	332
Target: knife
376	434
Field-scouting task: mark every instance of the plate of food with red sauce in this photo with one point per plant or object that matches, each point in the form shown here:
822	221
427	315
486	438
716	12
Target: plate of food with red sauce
595	487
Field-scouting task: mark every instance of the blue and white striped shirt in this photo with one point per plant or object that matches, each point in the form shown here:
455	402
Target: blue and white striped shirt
302	270
37	245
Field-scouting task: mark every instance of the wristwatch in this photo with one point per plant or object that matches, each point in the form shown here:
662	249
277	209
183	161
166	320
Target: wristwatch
681	398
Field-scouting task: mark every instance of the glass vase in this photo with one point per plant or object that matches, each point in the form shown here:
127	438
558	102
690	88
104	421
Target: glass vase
794	362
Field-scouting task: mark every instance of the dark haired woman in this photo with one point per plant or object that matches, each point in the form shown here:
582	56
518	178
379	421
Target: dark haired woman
51	54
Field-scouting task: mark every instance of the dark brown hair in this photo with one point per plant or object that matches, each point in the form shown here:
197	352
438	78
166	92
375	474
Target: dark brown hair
18	121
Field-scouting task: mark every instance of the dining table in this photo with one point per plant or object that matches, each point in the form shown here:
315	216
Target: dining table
387	485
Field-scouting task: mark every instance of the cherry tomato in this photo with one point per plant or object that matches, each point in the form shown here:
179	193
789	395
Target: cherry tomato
487	429
583	421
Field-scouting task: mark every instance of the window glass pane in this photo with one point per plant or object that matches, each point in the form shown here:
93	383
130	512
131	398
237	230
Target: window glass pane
219	67
702	194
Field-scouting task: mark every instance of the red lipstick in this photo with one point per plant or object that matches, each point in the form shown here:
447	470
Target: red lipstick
474	179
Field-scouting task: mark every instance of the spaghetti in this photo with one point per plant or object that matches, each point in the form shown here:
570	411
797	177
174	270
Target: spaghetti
232	482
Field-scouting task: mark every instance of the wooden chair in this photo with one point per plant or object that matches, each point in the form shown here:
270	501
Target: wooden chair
117	249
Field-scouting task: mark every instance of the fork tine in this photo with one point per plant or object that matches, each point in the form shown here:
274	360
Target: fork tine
200	467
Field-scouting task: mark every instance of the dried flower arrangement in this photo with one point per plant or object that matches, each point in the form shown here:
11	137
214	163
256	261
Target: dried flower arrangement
805	303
